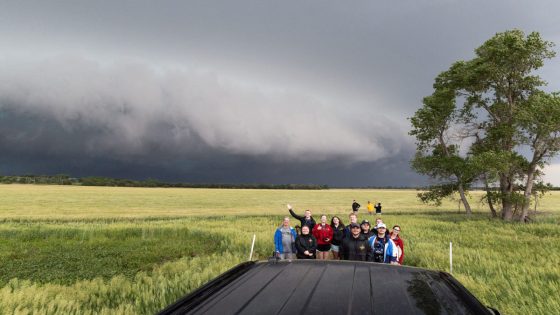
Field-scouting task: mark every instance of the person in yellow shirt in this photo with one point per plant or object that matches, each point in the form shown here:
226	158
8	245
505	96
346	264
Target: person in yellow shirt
370	208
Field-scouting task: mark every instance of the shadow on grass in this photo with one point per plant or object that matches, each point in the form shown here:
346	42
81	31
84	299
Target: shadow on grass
63	255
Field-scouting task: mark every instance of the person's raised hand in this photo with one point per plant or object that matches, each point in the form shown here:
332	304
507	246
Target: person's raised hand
289	206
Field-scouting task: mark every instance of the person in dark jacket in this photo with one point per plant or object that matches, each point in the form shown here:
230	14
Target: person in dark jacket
353	219
307	219
366	231
338	234
355	246
355	206
306	244
378	208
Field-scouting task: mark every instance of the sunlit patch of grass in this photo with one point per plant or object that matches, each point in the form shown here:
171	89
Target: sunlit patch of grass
79	202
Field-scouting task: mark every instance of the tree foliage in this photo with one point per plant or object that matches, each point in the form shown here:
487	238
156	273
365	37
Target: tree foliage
482	118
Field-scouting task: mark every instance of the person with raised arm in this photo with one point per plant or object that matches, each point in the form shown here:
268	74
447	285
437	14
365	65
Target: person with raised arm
307	219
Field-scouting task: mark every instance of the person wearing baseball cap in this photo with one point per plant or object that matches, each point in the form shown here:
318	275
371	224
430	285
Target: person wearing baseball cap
383	248
366	231
374	229
355	246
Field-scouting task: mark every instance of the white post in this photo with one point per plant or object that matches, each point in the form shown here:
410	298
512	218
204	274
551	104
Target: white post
252	247
450	257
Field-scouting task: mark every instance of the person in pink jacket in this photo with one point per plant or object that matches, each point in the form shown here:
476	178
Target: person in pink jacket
323	233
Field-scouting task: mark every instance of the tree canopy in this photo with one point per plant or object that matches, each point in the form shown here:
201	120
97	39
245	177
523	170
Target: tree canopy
488	120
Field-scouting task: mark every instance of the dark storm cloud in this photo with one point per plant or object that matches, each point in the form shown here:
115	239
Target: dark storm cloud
234	91
130	109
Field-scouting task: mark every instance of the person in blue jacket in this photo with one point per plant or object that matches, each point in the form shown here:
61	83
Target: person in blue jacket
285	240
383	248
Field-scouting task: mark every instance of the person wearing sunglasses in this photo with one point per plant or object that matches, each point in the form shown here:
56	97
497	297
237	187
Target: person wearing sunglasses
395	237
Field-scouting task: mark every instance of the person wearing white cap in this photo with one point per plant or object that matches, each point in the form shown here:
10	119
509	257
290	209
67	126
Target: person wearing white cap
383	248
374	229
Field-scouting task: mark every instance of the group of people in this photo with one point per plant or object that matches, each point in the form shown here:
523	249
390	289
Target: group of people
356	206
354	241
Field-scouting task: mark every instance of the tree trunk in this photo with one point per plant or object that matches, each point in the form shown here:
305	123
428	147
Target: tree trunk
489	198
464	200
528	192
507	209
459	178
507	204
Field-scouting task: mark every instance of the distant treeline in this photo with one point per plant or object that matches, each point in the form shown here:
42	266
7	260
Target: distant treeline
106	181
59	179
62	179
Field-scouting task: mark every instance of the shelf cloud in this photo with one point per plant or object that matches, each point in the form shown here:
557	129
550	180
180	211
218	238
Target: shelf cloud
128	109
235	91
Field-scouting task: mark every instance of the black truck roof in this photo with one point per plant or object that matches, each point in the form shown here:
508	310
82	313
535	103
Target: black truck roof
329	287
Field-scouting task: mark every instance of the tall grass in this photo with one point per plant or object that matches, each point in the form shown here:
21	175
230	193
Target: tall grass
140	262
68	252
146	293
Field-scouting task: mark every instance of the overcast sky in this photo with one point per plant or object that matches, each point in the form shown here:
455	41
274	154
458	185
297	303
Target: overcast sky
236	91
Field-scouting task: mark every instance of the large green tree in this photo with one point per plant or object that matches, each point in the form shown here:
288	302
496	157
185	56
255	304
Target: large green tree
494	105
539	121
437	156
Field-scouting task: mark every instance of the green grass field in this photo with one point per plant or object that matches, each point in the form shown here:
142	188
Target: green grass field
105	250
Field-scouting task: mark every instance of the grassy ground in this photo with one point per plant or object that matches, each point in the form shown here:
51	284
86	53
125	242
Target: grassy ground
75	202
67	249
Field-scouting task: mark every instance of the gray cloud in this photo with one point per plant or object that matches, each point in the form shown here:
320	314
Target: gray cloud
127	109
234	90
